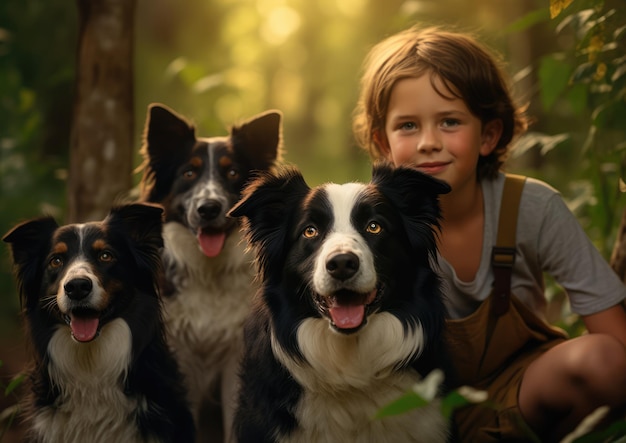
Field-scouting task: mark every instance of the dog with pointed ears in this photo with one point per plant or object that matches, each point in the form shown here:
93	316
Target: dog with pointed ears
209	278
102	370
350	314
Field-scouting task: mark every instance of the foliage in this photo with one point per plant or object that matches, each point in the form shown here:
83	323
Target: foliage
589	78
8	416
36	74
426	391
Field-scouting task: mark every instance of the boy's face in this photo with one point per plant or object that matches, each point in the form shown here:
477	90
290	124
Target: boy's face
438	135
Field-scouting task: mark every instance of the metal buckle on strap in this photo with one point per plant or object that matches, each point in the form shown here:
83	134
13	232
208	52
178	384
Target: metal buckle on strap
502	257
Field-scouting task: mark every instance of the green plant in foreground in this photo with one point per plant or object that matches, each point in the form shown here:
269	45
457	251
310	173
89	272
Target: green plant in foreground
425	391
8	415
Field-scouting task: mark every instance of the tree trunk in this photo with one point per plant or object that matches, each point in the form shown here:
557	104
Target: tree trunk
101	138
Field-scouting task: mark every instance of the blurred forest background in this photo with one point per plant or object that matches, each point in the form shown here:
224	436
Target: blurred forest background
222	61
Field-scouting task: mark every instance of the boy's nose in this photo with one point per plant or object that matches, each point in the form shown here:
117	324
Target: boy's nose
428	142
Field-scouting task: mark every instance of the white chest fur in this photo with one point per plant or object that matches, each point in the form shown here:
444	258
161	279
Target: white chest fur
92	405
347	379
212	294
204	318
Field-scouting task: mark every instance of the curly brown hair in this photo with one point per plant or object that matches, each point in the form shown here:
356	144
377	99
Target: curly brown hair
468	70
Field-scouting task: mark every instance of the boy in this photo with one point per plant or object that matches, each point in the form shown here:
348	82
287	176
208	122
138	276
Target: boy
438	100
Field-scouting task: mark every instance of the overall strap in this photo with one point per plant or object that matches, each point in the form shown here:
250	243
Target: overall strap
503	253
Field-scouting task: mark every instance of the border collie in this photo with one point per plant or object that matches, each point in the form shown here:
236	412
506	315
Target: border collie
350	315
102	369
209	278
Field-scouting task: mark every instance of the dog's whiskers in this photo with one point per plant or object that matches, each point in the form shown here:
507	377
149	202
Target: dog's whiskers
49	302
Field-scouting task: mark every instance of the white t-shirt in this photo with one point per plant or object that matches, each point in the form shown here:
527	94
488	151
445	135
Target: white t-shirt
549	239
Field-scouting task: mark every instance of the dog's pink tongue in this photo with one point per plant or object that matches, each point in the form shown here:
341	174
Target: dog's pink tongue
84	329
350	314
347	316
211	244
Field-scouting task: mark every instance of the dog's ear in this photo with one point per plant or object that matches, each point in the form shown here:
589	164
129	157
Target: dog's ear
30	243
167	140
416	196
143	223
261	138
267	207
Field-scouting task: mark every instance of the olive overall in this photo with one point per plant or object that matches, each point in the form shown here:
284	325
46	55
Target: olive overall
492	347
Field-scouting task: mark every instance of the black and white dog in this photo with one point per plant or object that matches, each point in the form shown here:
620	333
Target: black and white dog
209	277
102	369
350	314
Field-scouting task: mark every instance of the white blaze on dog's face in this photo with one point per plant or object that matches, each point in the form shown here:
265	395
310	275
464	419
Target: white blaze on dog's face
344	273
80	290
345	252
198	179
79	255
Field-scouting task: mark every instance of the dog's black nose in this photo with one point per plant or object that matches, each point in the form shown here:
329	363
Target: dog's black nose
78	288
210	209
342	266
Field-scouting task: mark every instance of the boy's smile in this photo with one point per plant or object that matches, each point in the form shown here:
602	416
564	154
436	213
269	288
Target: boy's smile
432	168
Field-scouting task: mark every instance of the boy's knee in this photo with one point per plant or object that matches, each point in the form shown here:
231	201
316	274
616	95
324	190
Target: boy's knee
599	363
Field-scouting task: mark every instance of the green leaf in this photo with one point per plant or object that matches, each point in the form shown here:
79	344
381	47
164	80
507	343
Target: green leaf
554	78
532	18
584	73
620	71
578	97
616	429
14	384
579	21
407	402
610	114
451	402
533	140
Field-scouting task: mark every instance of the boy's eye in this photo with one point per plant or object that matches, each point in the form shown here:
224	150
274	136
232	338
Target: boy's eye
450	123
408	126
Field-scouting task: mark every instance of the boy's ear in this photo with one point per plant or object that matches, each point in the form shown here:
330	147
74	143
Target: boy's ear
492	131
381	141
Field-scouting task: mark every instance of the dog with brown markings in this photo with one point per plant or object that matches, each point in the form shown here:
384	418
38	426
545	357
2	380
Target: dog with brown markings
209	278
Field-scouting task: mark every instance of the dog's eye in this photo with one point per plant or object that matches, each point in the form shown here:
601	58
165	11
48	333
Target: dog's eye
310	232
105	256
374	228
56	262
189	174
232	174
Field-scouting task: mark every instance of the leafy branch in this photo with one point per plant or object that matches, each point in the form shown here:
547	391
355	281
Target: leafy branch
9	414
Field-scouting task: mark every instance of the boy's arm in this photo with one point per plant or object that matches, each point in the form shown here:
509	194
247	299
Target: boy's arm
611	321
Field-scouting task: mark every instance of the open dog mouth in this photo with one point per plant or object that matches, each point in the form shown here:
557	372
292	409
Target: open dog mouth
348	310
211	241
84	323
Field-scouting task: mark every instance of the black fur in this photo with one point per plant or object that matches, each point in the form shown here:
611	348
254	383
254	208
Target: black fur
170	144
277	210
120	256
208	279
